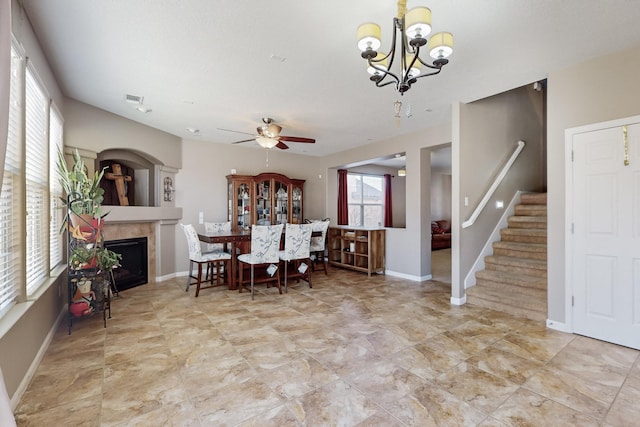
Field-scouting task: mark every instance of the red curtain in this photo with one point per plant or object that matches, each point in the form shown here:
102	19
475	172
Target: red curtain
388	215
343	204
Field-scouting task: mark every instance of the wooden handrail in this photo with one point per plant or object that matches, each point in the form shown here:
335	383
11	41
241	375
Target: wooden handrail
494	186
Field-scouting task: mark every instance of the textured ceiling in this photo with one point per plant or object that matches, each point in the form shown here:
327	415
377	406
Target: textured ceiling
208	65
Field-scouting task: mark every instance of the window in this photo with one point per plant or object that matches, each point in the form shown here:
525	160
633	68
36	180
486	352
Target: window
56	207
37	181
366	200
10	200
30	244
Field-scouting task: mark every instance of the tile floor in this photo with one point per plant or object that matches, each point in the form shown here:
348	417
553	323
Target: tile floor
352	351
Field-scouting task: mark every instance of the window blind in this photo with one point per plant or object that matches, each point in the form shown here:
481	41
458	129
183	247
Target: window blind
36	182
56	210
10	201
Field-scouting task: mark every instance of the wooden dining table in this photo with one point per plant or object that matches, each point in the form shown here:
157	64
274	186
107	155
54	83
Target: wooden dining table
232	238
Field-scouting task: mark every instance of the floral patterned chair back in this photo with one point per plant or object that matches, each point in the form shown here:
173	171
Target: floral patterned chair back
265	243
216	227
296	243
318	242
195	251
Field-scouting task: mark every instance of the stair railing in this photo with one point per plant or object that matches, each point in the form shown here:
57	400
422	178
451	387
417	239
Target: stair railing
496	182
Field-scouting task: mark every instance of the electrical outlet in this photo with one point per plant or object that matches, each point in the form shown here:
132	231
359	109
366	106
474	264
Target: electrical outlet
499	204
201	218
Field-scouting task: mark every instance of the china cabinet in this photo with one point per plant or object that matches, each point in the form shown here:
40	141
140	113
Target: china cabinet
267	198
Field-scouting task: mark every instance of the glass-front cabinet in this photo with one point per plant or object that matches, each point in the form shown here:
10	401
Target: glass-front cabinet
267	198
240	201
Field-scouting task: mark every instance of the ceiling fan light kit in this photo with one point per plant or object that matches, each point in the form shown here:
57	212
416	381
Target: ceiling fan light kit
413	26
269	136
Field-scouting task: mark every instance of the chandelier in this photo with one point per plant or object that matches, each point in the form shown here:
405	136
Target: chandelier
414	26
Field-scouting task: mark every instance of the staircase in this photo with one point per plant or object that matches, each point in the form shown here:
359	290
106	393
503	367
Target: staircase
515	277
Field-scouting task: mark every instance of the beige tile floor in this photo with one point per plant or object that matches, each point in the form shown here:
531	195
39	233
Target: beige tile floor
352	351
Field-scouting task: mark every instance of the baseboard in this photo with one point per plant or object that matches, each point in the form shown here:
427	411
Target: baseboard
408	276
459	301
171	276
559	326
26	380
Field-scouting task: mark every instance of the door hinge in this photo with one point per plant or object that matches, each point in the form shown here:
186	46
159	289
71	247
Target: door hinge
572	301
572	228
572	155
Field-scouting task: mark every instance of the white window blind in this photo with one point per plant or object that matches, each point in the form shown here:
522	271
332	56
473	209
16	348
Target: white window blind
10	200
56	215
36	181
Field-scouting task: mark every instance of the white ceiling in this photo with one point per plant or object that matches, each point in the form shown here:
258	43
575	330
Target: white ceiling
207	64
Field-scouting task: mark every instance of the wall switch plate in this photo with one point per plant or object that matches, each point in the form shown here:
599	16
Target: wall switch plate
466	200
201	218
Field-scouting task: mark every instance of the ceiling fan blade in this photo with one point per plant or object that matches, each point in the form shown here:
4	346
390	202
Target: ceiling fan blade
297	139
234	131
281	145
244	140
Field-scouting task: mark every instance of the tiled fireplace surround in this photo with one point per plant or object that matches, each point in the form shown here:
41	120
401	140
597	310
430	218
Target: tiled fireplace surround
125	230
157	224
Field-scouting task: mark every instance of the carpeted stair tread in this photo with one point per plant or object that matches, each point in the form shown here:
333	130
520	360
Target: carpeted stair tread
511	279
524	235
529	267
537	315
516	262
537	210
515	297
520	250
533	199
521	221
521	247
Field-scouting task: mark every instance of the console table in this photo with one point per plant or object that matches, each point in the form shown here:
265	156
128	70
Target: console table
357	248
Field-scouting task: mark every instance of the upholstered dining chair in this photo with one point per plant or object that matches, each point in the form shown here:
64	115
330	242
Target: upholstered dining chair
218	261
297	238
216	227
318	243
265	244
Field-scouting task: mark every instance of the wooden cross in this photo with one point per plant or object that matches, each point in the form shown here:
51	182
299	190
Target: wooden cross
120	179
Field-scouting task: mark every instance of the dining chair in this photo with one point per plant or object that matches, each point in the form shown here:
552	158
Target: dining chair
265	244
297	238
218	261
216	227
318	244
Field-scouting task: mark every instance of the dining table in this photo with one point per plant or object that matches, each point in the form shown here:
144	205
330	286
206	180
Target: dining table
232	239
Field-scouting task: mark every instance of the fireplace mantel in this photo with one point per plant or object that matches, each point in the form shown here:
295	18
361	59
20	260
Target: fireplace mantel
118	214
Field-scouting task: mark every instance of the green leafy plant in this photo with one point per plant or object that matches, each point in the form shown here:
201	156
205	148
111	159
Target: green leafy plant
92	256
83	190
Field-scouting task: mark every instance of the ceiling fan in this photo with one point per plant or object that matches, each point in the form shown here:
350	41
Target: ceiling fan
269	136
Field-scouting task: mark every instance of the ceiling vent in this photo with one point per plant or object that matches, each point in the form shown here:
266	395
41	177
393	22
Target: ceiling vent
133	99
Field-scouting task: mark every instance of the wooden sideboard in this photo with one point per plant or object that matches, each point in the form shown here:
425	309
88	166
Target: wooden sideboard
357	248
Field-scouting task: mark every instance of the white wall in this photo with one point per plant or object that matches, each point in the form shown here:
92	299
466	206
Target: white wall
603	89
440	196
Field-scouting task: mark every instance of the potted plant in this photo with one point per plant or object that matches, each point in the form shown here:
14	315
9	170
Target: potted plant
84	193
92	256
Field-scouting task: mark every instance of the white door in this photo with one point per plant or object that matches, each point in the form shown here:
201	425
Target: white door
606	235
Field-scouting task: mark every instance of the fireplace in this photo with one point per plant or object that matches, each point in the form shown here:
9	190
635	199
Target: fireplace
134	269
